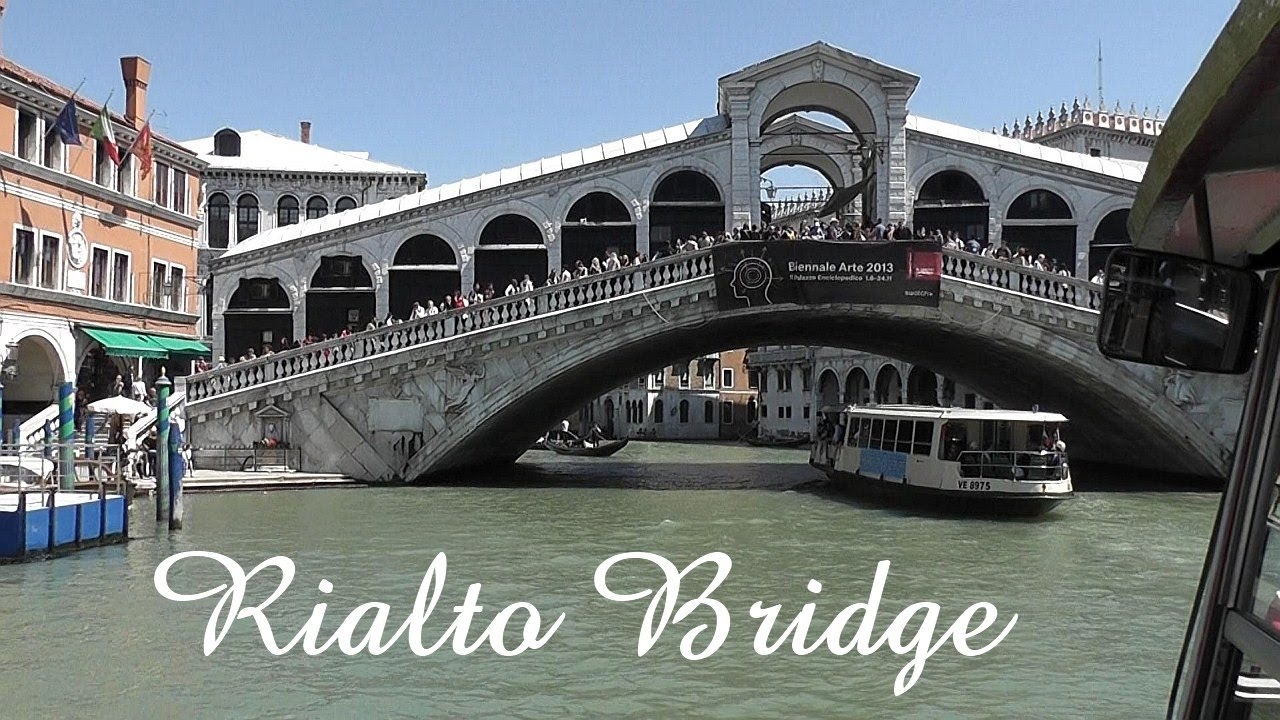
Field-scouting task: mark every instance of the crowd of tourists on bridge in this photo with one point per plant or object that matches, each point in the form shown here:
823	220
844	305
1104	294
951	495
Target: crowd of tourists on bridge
832	230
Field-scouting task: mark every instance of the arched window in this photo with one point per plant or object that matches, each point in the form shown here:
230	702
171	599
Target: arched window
686	186
1039	205
286	210
684	411
246	217
657	410
317	207
598	207
344	204
708	412
219	215
226	142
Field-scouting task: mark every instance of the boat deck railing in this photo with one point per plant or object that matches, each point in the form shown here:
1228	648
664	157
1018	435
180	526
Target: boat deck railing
35	472
1012	465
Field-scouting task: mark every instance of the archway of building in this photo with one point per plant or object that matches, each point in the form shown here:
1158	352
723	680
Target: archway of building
685	203
1112	233
951	200
857	387
340	296
597	224
842	109
829	388
793	188
1041	221
39	373
259	313
608	428
922	387
888	386
424	268
510	247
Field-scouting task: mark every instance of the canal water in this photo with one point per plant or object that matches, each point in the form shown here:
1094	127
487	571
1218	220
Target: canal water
1102	587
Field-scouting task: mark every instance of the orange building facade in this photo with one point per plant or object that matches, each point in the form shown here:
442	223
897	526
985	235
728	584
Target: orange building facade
97	261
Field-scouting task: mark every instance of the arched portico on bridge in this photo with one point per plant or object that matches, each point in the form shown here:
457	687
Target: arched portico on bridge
510	247
258	313
1043	221
953	201
425	268
597	224
341	296
685	202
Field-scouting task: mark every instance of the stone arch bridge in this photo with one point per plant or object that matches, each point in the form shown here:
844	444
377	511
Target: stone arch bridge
478	386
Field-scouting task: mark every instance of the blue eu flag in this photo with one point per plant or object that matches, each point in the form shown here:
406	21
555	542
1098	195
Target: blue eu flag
66	125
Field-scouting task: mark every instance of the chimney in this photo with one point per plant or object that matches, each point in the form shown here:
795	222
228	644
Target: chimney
137	73
304	131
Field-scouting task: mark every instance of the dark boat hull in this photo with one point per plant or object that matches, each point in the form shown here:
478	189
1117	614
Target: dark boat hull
779	443
604	449
944	501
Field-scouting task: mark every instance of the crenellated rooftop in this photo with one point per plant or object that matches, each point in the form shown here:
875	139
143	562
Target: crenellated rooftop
1078	115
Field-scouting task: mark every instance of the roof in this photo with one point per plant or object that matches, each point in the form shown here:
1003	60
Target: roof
941	413
488	181
1130	170
831	52
1220	135
261	150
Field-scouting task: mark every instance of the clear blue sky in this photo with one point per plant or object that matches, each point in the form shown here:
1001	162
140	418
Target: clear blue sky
460	88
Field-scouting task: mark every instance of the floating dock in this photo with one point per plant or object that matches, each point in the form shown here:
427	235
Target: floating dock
36	524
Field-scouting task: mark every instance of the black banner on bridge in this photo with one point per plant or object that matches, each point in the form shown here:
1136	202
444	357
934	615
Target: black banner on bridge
811	272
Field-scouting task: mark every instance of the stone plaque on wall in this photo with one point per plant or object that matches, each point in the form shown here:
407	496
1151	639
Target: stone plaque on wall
76	280
394	415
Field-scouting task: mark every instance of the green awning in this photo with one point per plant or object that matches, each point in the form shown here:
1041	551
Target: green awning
181	346
120	343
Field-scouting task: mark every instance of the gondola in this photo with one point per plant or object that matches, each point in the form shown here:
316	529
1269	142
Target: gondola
603	448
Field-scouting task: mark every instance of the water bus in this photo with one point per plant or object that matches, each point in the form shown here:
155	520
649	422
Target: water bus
1003	462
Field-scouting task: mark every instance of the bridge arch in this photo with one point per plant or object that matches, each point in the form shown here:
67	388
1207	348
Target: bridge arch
259	312
888	385
857	102
425	267
857	387
684	201
509	246
953	200
598	223
828	388
341	295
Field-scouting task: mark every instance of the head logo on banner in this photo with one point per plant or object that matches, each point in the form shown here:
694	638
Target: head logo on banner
754	274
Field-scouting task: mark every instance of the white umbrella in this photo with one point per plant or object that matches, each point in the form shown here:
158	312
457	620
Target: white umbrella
119	405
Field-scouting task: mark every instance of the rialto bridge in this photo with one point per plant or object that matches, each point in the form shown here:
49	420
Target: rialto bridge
478	385
633	195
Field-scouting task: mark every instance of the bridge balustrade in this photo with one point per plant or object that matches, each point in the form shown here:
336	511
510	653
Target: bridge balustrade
575	294
501	311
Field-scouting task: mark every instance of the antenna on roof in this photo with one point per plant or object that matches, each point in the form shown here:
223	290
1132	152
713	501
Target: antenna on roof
1100	102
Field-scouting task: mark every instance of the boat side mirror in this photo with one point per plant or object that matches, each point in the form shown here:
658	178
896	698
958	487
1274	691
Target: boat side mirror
1179	312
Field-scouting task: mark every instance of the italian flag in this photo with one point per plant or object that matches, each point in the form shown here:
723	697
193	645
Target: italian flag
102	131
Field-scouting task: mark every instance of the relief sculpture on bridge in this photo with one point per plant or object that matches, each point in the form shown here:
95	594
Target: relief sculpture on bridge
458	384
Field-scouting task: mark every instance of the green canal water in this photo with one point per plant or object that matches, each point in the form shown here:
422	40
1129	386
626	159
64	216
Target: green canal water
1102	588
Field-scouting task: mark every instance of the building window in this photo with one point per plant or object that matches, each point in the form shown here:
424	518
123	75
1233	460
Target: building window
24	257
708	412
286	211
344	204
50	262
684	411
163	186
709	379
98	278
120	277
762	380
753	379
764	411
655	380
125	178
726	378
219	223
657	410
1095	152
179	192
726	413
159	276
317	207
104	172
226	143
805	414
177	295
806	377
684	378
28	135
246	217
